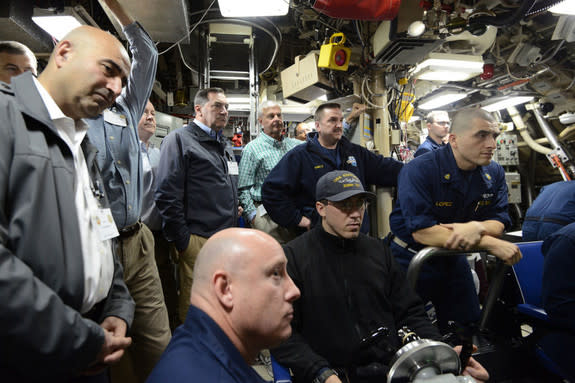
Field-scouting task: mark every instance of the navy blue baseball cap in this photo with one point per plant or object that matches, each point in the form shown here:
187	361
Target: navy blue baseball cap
338	185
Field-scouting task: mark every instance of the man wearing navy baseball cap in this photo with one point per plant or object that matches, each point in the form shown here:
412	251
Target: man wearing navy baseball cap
350	287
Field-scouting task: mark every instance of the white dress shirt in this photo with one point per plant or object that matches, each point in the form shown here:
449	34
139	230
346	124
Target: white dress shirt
97	254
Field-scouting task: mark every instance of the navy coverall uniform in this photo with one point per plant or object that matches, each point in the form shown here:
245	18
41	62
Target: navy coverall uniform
551	210
433	190
427	146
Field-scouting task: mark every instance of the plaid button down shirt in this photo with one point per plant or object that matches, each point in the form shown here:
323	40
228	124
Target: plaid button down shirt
259	157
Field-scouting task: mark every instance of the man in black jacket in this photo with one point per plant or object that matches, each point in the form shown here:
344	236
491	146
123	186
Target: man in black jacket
196	192
350	287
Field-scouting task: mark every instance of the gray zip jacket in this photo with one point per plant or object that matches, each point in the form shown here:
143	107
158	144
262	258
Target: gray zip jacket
42	333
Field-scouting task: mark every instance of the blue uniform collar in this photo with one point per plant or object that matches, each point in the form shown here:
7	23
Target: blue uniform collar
434	145
450	173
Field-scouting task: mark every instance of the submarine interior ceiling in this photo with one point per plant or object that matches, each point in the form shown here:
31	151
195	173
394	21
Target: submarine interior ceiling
520	48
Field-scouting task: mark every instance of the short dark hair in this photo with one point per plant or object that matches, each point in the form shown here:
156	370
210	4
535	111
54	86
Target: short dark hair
462	120
202	96
16	48
328	105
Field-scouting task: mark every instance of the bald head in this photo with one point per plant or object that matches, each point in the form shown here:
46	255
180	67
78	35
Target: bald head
241	282
86	72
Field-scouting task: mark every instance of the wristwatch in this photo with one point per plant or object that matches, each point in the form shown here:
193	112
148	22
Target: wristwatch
324	373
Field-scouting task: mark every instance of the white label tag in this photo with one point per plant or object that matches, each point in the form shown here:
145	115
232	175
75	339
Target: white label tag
233	168
261	210
104	224
115	118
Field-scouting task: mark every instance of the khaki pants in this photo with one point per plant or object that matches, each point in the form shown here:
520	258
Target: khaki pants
267	225
150	330
186	262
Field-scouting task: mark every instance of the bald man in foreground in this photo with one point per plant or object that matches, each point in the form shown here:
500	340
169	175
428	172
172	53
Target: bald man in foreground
241	303
64	308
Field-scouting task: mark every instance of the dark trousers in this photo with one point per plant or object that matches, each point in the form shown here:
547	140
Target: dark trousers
447	282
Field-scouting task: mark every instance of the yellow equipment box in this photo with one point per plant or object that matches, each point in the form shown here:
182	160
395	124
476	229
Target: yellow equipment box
334	55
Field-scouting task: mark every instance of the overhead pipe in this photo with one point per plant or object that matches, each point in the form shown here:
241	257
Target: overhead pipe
505	19
522	129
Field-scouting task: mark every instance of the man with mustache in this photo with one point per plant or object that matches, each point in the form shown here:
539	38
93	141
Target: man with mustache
288	192
241	303
197	192
115	134
350	287
64	307
454	197
258	158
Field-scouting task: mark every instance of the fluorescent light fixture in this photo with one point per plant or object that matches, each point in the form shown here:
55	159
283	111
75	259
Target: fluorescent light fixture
238	99
252	8
448	67
506	102
440	99
59	24
566	7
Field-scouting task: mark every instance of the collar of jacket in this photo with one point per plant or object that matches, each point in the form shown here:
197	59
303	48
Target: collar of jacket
450	172
332	242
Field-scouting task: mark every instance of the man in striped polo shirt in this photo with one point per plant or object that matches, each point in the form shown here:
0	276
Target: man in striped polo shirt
259	157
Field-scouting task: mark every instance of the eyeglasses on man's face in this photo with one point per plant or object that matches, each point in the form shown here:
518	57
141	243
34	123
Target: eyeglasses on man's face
349	205
442	123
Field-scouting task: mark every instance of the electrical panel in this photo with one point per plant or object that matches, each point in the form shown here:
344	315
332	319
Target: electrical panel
507	153
513	181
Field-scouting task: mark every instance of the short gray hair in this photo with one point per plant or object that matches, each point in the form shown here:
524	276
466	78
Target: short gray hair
266	105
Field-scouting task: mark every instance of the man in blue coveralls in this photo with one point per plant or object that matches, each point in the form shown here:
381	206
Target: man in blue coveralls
456	198
558	296
553	208
437	129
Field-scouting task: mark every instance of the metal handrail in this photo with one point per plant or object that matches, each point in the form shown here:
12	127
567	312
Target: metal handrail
495	285
422	256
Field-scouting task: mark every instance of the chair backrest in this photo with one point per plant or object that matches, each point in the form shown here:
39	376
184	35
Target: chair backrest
529	272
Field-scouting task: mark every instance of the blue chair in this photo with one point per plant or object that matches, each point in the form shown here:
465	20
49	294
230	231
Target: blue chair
529	274
281	373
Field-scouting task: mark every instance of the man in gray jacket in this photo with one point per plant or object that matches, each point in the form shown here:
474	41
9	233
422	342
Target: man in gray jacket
197	192
64	308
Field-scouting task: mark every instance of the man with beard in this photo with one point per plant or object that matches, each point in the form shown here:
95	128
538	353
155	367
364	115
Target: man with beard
196	192
259	157
454	197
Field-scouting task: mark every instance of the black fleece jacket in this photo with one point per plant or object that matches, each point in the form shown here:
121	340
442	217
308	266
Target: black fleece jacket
349	288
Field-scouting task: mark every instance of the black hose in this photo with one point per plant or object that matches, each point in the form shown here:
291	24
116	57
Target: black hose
507	18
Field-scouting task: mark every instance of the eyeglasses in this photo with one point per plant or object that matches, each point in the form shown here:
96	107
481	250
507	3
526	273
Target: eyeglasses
444	123
349	205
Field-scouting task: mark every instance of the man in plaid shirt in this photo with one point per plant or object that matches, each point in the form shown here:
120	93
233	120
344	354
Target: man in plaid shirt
259	157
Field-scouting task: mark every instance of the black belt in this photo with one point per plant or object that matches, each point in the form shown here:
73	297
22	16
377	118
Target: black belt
550	220
128	231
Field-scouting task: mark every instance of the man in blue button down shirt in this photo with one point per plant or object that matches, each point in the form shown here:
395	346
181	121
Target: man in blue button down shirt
454	197
115	135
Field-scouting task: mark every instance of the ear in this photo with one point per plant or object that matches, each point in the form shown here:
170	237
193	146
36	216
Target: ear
223	289
320	207
453	140
317	126
198	109
62	53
